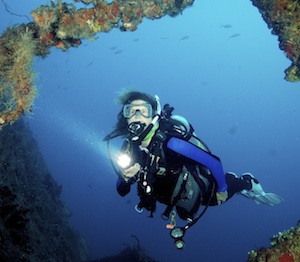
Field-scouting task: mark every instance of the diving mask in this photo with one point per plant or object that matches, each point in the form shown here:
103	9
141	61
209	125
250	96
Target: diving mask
144	109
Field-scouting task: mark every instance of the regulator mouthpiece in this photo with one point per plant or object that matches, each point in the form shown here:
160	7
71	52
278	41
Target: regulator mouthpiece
136	128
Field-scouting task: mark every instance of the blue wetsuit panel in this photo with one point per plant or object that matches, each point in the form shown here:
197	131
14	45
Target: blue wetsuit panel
204	158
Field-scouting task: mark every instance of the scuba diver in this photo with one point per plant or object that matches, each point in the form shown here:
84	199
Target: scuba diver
171	165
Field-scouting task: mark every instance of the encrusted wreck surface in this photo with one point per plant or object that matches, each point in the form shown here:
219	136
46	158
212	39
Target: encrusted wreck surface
283	17
285	247
33	220
61	25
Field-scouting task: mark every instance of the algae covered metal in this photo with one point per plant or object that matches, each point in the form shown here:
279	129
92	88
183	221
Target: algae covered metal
283	16
285	247
63	26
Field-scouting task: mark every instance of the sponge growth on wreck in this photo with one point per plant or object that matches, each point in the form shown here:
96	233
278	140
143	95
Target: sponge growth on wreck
285	247
16	76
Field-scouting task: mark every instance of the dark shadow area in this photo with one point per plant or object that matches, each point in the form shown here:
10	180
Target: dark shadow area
33	220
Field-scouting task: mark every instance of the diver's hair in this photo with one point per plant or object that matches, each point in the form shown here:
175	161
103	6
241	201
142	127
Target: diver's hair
126	97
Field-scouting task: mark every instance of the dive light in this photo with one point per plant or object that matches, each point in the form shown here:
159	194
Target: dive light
123	160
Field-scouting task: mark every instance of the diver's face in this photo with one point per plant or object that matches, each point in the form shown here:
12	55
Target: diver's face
138	111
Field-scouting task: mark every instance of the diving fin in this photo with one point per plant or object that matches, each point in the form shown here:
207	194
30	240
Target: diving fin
269	199
257	193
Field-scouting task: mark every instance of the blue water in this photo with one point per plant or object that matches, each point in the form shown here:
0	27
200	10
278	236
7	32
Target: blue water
230	88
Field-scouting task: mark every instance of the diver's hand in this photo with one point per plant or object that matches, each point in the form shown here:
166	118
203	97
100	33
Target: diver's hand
131	171
221	197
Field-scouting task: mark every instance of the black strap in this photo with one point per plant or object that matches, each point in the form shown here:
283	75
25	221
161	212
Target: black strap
190	224
177	197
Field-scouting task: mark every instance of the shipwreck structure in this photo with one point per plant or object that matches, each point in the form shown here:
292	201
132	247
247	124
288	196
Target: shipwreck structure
63	26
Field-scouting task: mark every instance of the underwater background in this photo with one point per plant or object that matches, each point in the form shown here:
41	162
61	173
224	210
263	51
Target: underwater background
221	68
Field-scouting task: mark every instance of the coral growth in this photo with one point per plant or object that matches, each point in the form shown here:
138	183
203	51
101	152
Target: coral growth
62	26
283	16
285	248
17	90
65	23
